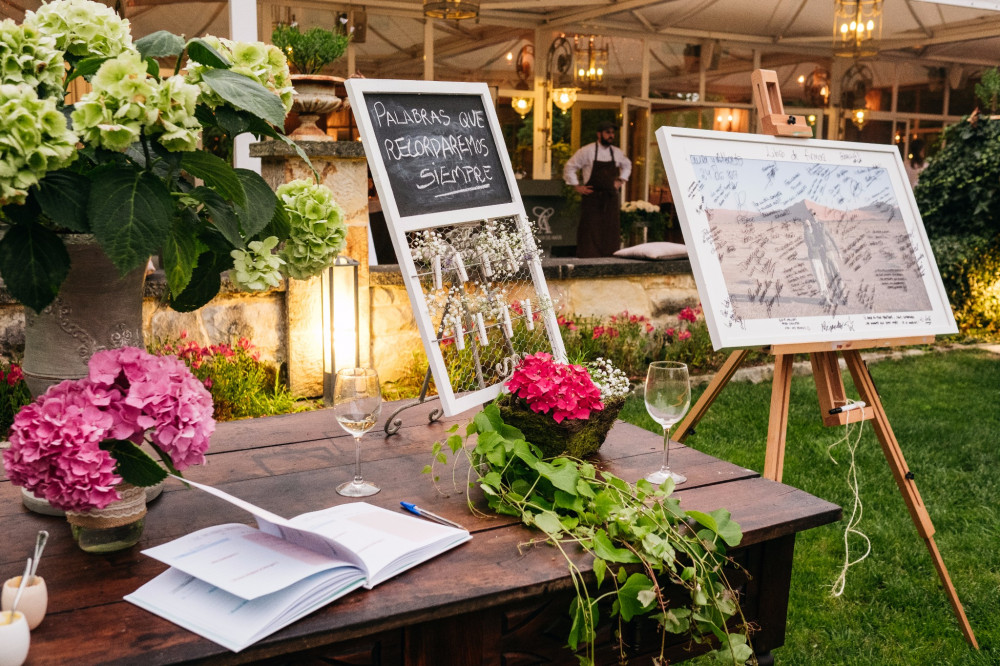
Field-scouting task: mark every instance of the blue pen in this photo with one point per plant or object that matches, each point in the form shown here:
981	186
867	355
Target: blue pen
423	513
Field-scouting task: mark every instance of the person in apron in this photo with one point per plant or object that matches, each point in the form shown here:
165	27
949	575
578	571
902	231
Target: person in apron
604	169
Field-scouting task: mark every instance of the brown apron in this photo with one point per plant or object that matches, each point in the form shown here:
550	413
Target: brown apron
600	224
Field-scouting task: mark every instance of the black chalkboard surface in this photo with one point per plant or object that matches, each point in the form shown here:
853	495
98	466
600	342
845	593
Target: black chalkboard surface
438	151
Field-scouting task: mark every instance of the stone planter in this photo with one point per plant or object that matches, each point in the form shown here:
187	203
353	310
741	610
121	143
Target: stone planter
315	95
96	309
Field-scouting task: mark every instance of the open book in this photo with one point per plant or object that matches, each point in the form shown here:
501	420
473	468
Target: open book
234	584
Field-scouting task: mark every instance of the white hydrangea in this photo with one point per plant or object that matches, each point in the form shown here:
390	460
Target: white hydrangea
318	230
30	58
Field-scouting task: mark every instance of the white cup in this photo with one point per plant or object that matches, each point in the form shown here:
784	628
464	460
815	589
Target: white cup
34	600
15	638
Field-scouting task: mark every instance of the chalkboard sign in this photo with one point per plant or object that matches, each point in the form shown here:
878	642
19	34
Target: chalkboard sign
801	240
438	152
468	258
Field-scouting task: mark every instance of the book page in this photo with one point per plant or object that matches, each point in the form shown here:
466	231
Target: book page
242	560
231	621
385	541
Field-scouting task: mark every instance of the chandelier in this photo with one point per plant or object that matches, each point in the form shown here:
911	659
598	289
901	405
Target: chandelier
451	9
816	86
591	62
857	27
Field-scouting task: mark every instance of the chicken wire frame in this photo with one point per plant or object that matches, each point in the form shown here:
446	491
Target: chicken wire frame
401	224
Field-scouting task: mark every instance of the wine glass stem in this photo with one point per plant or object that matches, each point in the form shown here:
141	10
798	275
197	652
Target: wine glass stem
357	461
666	449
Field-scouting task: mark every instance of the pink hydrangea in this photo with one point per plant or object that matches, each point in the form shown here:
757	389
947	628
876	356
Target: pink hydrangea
564	390
55	446
162	399
128	395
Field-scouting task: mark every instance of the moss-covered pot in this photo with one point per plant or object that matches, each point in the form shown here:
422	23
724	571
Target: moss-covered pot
577	438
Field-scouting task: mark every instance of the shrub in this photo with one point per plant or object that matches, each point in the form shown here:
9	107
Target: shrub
241	384
14	395
309	51
970	270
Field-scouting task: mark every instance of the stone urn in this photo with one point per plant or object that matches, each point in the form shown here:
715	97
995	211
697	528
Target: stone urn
315	95
97	308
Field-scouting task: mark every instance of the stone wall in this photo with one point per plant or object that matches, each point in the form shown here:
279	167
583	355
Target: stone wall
657	289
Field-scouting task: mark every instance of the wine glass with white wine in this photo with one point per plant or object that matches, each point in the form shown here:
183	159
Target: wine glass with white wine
668	397
357	403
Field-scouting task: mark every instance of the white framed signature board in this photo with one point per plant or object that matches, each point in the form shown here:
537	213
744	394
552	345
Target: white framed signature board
802	240
467	255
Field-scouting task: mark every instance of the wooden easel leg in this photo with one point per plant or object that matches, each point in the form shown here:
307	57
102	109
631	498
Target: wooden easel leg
715	387
905	480
777	426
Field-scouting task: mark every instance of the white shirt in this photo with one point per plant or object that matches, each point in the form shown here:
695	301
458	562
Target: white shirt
583	161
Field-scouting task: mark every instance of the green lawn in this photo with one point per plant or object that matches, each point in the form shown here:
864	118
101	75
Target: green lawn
945	411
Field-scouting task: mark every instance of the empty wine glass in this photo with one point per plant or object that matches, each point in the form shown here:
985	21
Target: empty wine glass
668	396
357	403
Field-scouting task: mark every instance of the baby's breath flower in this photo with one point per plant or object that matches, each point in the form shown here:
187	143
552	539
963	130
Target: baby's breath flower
613	382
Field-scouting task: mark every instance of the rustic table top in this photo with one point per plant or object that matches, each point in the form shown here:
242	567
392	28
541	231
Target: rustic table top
290	465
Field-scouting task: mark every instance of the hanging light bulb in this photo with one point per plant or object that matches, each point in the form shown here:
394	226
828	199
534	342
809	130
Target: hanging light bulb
522	105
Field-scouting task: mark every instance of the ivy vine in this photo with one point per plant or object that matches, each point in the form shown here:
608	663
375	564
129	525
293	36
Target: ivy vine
643	544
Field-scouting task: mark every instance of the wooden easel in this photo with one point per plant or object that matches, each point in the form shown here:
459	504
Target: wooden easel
829	382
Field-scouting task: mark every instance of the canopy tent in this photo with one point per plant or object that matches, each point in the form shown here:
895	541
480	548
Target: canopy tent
921	41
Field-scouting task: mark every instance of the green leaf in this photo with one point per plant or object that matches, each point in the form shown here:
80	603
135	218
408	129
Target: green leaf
548	523
217	174
180	256
204	53
63	197
604	549
87	67
131	213
600	567
585	616
245	93
727	528
629	602
159	44
204	284
134	465
222	213
33	264
260	206
454	443
563	477
569	501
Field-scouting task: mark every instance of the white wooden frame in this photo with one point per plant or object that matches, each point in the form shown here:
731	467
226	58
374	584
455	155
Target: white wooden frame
400	225
723	180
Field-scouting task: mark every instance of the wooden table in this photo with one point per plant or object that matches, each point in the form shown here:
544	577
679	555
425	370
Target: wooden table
489	601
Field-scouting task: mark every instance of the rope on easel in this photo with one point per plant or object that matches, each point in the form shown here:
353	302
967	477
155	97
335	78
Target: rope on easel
857	508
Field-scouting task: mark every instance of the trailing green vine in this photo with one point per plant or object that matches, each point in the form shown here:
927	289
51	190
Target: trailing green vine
640	538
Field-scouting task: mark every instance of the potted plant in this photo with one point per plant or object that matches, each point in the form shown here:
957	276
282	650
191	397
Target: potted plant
566	409
120	174
78	446
309	52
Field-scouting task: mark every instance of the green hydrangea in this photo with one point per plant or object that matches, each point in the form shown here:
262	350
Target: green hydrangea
125	100
264	63
257	268
34	140
28	57
175	102
318	230
82	28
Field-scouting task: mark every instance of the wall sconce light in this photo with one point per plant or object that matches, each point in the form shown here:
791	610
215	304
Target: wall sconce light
341	316
522	105
564	98
451	9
